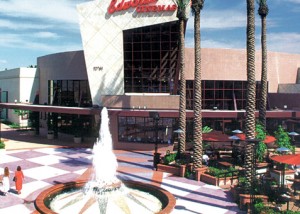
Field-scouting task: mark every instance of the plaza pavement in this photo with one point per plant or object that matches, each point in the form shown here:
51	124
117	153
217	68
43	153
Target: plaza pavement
48	162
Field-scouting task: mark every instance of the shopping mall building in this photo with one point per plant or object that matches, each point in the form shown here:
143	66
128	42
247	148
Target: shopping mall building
129	64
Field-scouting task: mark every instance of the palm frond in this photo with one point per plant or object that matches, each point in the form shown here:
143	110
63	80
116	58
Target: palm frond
181	4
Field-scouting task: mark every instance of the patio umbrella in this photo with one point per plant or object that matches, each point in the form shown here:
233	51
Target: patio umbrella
237	131
283	149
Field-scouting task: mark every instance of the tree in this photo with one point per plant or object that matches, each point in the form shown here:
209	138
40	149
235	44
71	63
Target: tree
251	90
197	6
263	11
182	18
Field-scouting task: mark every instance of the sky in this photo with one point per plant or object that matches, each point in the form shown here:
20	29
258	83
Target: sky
34	28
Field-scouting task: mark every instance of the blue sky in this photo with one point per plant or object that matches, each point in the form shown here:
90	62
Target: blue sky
33	28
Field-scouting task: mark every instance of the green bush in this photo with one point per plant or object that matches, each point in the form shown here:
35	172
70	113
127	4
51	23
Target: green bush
283	139
2	145
261	147
169	158
221	173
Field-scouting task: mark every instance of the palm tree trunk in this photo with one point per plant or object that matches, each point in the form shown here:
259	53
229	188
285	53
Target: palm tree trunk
251	90
198	148
182	102
264	70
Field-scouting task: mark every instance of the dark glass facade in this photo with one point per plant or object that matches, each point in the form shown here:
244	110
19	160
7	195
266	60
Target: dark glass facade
75	93
150	58
224	95
142	129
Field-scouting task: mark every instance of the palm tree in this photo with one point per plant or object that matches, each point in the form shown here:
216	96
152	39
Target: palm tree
251	90
263	11
182	18
197	6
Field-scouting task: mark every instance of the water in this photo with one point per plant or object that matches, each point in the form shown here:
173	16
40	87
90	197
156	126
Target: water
105	193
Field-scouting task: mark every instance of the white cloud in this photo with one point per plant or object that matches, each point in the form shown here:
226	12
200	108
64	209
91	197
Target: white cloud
62	11
21	41
220	19
284	42
16	25
294	1
47	35
3	61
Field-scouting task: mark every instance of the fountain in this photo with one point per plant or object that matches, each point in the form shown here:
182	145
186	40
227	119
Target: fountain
104	192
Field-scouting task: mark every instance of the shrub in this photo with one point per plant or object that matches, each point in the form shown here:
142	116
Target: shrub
283	139
2	145
221	173
169	157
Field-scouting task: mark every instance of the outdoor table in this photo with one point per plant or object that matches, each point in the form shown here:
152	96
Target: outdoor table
295	181
224	163
286	198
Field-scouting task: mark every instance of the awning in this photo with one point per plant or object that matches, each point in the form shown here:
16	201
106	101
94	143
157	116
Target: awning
293	159
269	138
215	136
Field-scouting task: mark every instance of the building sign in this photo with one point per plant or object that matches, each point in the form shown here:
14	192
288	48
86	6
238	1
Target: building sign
98	68
142	6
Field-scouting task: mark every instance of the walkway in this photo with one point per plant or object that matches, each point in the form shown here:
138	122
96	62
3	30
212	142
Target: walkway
45	163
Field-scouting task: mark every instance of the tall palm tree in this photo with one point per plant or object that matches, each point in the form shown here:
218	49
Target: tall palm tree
182	18
251	90
263	11
197	6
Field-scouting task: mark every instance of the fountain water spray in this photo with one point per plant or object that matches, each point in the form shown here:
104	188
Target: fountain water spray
105	193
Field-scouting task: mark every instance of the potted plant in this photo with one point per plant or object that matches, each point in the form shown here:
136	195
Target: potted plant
283	139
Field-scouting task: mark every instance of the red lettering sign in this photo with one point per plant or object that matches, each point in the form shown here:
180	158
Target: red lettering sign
141	6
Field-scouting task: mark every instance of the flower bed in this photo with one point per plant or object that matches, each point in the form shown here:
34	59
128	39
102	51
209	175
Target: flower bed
178	170
220	177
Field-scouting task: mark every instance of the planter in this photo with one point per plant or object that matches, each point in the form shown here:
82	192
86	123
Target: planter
77	139
182	169
221	182
245	200
50	136
31	132
236	191
172	169
199	172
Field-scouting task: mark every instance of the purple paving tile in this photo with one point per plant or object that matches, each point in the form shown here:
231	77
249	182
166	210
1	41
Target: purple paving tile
71	165
73	155
9	200
28	154
12	166
146	165
62	178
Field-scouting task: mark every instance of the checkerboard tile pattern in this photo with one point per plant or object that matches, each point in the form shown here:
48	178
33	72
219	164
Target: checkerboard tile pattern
42	168
48	166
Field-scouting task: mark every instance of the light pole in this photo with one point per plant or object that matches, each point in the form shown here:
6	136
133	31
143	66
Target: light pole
156	157
179	132
293	134
283	150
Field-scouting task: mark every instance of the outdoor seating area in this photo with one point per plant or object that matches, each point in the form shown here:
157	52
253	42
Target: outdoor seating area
277	183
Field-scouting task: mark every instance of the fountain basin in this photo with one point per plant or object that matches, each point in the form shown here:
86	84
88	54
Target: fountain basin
43	200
